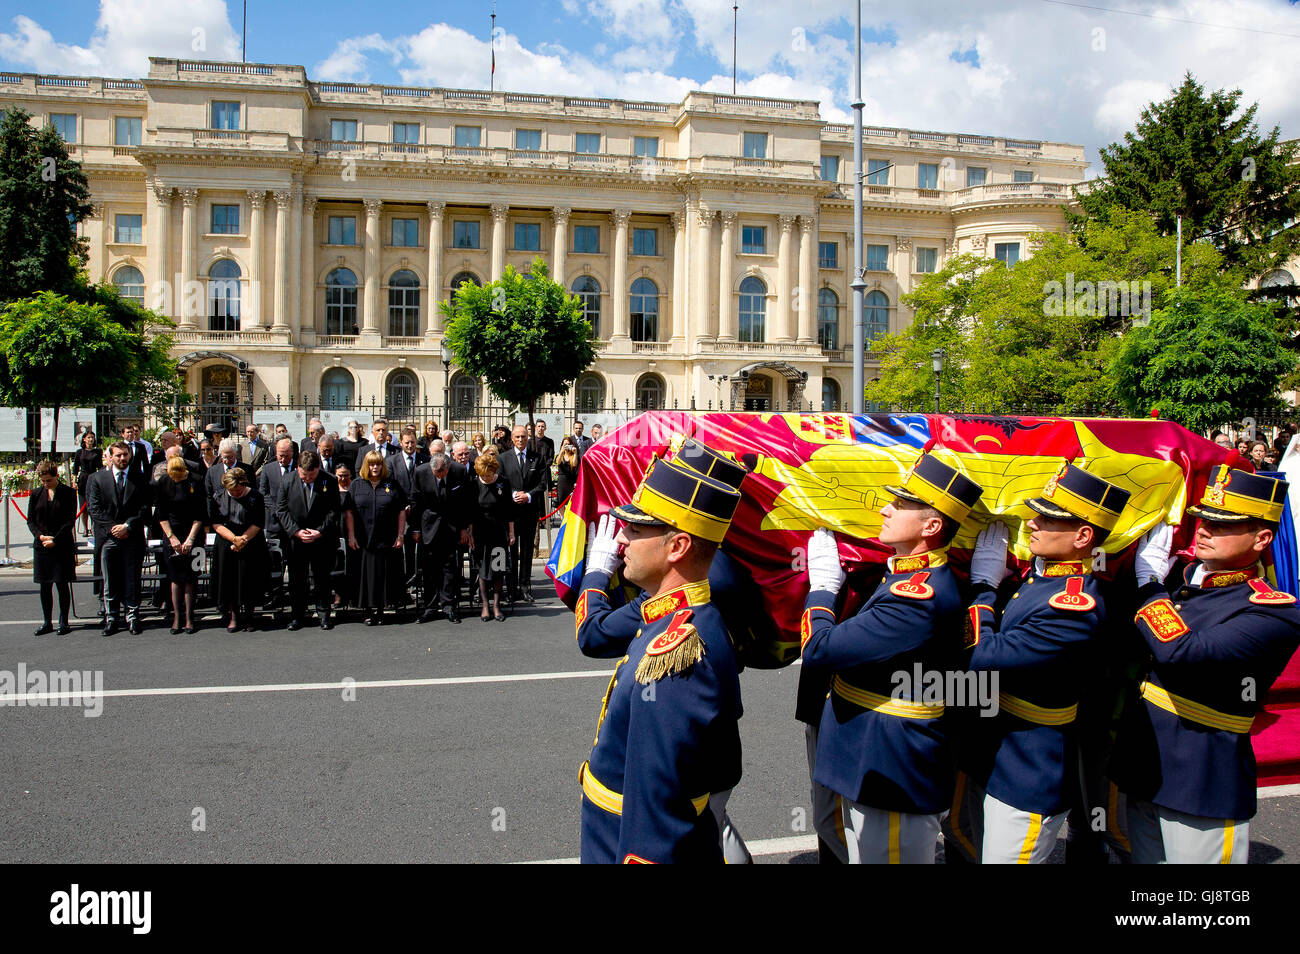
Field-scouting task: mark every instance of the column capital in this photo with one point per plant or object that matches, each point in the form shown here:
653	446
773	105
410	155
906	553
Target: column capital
309	203
620	217
190	197
729	218
679	220
561	214
256	199
163	193
978	242
282	198
706	215
436	209
499	212
373	207
786	222
903	243
807	224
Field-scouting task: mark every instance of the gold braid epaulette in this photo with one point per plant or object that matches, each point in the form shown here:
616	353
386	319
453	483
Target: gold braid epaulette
675	650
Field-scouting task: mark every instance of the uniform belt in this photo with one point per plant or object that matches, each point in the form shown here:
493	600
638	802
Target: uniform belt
1040	715
611	801
1195	712
885	704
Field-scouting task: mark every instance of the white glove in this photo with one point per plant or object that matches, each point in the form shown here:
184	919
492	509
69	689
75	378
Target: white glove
988	563
1153	558
824	570
602	548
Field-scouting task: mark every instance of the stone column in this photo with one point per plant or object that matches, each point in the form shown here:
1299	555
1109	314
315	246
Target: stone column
163	296
434	325
189	249
294	302
807	293
560	248
703	272
370	319
499	212
679	281
280	300
726	296
256	230
785	328
618	294
307	277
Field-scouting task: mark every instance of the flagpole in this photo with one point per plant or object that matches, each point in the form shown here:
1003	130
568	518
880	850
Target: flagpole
492	44
858	284
735	7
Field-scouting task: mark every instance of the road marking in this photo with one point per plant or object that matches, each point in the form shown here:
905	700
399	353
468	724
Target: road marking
18	698
763	846
1277	791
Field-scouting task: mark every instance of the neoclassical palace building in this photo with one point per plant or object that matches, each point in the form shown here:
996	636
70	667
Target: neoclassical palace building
302	233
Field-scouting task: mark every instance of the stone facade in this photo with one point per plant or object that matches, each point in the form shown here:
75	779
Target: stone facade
297	231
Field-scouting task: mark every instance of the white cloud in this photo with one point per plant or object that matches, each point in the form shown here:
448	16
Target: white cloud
126	34
348	63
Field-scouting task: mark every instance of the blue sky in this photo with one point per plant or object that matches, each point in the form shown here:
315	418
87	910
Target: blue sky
1032	69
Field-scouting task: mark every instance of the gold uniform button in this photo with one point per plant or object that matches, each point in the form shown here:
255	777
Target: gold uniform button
1030	580
1015	596
1178	606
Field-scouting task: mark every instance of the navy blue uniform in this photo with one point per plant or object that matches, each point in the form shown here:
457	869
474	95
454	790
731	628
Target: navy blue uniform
1041	653
871	749
1216	646
663	744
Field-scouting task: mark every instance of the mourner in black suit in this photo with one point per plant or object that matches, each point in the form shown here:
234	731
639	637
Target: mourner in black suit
276	471
375	519
329	460
522	470
228	457
256	450
51	514
181	509
580	439
237	519
141	453
402	466
88	459
119	509
489	508
439	514
381	442
308	510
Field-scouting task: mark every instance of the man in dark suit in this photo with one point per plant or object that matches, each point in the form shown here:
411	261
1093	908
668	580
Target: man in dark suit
327	459
381	441
440	512
141	453
190	448
579	439
228	457
402	465
308	509
119	509
523	474
282	430
256	450
275	473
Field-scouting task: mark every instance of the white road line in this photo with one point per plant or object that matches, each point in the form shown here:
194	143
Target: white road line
763	846
27	697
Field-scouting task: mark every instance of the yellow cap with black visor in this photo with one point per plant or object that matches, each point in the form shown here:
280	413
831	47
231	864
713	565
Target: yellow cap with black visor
683	498
935	484
1075	494
1235	496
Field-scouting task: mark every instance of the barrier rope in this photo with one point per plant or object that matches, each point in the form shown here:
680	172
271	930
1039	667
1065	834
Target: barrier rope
13	499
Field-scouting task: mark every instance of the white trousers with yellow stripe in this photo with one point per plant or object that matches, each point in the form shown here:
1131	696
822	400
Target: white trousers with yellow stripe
828	820
877	837
1161	835
1004	835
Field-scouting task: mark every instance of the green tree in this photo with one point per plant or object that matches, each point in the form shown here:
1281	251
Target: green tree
41	192
1197	156
55	352
524	335
1208	356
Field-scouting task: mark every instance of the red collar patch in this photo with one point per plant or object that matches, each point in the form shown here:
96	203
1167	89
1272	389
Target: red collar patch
1065	568
1229	577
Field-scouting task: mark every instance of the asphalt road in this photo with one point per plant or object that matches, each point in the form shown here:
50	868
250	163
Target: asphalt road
477	762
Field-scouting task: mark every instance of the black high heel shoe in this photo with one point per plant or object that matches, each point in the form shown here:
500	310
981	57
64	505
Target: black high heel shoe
43	629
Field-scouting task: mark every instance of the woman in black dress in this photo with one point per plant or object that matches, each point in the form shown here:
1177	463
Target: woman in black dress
51	515
430	435
242	565
85	462
346	449
566	470
345	581
375	524
492	531
180	509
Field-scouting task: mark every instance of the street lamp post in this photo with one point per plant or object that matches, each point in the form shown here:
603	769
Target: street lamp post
936	358
446	381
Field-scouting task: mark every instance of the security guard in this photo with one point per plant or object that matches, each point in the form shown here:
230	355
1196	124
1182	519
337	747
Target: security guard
607	635
880	746
1020	768
1217	640
668	736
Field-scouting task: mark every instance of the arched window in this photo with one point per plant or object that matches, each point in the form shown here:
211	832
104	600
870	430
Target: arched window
830	394
464	391
828	319
223	296
402	392
591	393
875	316
341	303
643	302
336	389
130	283
459	279
650	393
753	310
403	304
588	290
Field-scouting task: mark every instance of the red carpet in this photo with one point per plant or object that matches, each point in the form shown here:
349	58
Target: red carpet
1276	733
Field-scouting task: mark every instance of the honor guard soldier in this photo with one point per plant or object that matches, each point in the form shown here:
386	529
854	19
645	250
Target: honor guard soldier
607	634
1019	772
885	752
667	737
1218	638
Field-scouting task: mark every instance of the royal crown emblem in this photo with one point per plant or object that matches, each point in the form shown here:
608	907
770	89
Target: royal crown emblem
1050	490
1214	496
